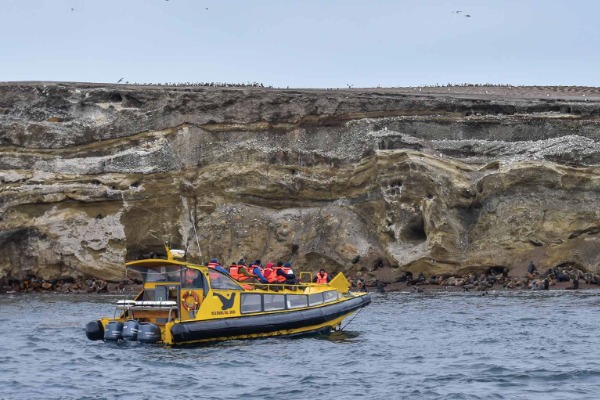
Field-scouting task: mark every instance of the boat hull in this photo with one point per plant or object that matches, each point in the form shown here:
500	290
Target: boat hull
263	325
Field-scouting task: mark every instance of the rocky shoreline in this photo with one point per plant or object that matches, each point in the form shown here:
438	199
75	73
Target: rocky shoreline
551	279
32	284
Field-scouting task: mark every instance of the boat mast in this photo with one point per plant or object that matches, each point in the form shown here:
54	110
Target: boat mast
196	236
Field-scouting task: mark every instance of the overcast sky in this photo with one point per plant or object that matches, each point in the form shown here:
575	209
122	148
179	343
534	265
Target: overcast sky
312	43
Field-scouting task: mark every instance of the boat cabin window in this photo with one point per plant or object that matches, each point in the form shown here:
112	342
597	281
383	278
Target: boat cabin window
168	273
330	295
192	279
296	300
315	299
160	293
274	302
219	280
251	302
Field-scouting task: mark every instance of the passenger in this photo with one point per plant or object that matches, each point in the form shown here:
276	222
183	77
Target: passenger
269	272
322	277
258	272
283	275
233	271
214	263
245	273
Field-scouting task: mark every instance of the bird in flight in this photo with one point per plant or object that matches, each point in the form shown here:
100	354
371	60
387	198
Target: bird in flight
467	16
119	81
456	12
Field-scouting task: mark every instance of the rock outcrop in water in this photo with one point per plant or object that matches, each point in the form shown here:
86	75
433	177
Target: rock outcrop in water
442	181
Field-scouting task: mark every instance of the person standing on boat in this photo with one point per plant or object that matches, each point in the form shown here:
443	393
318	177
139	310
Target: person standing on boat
258	272
322	277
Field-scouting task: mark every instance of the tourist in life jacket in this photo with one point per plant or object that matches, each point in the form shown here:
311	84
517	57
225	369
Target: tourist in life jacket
214	263
243	273
269	272
285	274
322	277
233	271
257	270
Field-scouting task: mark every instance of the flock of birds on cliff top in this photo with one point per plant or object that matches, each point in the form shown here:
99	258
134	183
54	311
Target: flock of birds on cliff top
349	86
206	84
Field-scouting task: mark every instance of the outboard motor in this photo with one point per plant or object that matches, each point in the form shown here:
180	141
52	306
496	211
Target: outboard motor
94	330
130	330
113	330
148	333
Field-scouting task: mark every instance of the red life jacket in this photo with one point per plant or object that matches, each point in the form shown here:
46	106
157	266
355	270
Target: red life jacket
322	279
212	265
269	274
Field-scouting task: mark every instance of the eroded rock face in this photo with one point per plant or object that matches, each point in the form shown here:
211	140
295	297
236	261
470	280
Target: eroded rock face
354	180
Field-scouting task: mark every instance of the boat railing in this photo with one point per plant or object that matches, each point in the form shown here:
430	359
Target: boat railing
280	286
303	274
338	282
146	304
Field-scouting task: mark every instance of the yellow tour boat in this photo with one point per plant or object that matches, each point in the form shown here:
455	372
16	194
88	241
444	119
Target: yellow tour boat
183	303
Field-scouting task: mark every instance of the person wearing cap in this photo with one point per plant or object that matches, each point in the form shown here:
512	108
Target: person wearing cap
214	263
283	274
322	277
258	272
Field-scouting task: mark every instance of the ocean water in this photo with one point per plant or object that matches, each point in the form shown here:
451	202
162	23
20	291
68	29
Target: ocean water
509	345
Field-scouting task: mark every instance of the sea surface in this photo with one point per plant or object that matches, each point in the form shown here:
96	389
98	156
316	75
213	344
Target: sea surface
508	345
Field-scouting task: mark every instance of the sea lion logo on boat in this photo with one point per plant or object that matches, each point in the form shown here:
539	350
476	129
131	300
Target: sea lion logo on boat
227	303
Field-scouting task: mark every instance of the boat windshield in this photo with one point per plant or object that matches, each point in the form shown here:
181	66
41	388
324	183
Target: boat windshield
218	280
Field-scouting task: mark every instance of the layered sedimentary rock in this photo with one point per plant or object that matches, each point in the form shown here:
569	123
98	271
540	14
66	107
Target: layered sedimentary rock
440	181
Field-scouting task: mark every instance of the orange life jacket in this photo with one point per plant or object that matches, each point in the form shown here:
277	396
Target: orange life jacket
212	265
322	279
244	277
278	278
233	271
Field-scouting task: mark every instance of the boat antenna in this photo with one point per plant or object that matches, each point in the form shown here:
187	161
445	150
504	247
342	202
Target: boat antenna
193	221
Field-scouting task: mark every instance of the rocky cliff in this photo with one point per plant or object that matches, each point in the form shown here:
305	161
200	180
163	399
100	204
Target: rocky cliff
382	181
